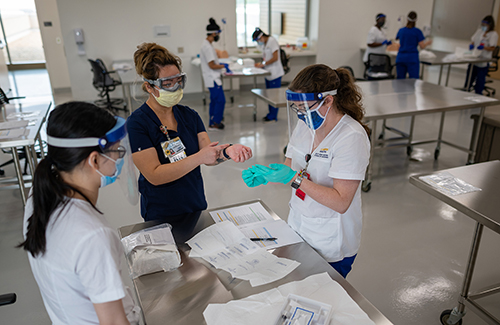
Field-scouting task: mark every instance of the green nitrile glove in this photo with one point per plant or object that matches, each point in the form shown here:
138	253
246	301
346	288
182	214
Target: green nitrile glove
277	173
253	178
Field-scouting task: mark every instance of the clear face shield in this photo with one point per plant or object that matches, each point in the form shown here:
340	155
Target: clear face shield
115	145
304	108
172	83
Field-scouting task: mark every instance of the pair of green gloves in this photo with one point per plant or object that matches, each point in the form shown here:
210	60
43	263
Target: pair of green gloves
261	175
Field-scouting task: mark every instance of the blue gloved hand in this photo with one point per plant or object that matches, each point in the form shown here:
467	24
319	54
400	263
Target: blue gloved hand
277	173
226	65
253	178
471	47
386	42
481	46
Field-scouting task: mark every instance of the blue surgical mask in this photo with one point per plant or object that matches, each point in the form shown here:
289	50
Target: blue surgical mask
106	180
484	28
316	119
261	43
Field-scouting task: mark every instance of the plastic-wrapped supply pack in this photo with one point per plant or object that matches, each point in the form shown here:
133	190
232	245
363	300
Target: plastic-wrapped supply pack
151	250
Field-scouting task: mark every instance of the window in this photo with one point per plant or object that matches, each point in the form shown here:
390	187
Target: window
287	21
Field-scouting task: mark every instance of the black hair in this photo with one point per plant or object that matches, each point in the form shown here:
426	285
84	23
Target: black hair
69	120
212	27
257	32
413	16
491	22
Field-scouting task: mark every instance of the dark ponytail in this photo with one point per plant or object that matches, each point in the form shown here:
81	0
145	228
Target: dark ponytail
318	78
69	120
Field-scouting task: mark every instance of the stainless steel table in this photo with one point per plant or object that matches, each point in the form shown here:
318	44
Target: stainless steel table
27	141
181	296
128	77
386	99
443	58
482	206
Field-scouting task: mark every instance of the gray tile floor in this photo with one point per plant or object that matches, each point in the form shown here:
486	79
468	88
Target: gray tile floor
414	248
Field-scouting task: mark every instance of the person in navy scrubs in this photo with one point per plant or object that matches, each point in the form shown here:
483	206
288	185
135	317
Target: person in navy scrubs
410	38
169	143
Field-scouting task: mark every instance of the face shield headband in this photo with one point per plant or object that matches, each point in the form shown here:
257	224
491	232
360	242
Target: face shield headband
259	35
116	134
172	83
292	98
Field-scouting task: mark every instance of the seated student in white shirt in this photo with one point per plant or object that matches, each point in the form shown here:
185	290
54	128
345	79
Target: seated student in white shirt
74	254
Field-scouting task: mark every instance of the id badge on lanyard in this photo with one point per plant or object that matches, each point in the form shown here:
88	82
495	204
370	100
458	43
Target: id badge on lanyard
173	149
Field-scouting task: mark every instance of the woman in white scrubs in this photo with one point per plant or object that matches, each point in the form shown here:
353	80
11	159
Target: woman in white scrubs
74	254
376	41
326	161
271	61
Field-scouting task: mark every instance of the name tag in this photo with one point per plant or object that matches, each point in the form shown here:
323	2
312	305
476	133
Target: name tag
174	150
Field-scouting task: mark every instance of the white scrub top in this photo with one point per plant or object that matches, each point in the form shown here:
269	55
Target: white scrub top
343	154
375	35
81	265
208	54
491	39
276	68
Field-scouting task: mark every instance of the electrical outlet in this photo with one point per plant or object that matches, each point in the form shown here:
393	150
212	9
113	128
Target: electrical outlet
180	50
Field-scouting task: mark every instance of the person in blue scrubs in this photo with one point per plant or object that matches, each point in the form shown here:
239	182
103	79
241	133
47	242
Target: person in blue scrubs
169	143
410	38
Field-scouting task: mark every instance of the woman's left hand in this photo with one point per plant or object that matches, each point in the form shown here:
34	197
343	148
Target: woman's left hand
239	152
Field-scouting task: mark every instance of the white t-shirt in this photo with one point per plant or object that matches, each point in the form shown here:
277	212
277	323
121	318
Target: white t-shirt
276	68
343	154
375	35
208	54
491	39
81	265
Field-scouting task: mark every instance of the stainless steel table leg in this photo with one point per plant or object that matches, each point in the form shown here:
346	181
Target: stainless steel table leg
19	173
129	97
422	72
29	159
475	137
34	156
367	183
255	100
458	312
409	148
40	143
447	75
440	136
440	73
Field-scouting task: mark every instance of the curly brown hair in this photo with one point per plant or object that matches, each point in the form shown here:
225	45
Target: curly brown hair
319	78
150	57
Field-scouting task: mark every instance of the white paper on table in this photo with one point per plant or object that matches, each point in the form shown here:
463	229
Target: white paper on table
22	114
271	229
480	99
12	133
264	308
226	248
242	214
13	125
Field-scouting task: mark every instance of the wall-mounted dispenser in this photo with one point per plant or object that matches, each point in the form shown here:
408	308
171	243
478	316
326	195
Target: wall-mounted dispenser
79	39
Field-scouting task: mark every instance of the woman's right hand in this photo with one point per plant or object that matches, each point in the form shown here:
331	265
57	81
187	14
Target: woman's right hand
209	154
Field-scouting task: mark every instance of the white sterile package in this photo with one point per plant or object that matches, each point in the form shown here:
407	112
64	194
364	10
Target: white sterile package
448	184
298	310
424	54
151	250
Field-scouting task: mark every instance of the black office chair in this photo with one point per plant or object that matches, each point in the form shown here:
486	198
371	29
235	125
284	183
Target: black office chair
378	67
351	71
8	299
106	81
22	152
490	91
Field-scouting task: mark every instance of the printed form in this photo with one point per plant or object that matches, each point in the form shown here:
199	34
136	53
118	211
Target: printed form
225	247
254	221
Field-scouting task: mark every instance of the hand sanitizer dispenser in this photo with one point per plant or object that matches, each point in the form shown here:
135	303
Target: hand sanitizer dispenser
79	39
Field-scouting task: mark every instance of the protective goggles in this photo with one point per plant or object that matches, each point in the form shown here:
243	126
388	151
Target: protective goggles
172	83
298	102
116	134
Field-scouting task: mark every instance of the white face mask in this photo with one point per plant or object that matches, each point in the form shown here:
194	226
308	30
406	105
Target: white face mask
167	98
484	28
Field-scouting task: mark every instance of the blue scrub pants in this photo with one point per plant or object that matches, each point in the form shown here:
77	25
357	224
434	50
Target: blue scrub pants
344	266
412	68
217	103
479	76
273	111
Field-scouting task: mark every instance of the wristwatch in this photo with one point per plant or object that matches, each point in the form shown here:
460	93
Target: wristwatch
224	151
296	183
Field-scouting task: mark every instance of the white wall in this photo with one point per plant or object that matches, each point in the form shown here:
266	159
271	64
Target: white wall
114	28
53	44
344	25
